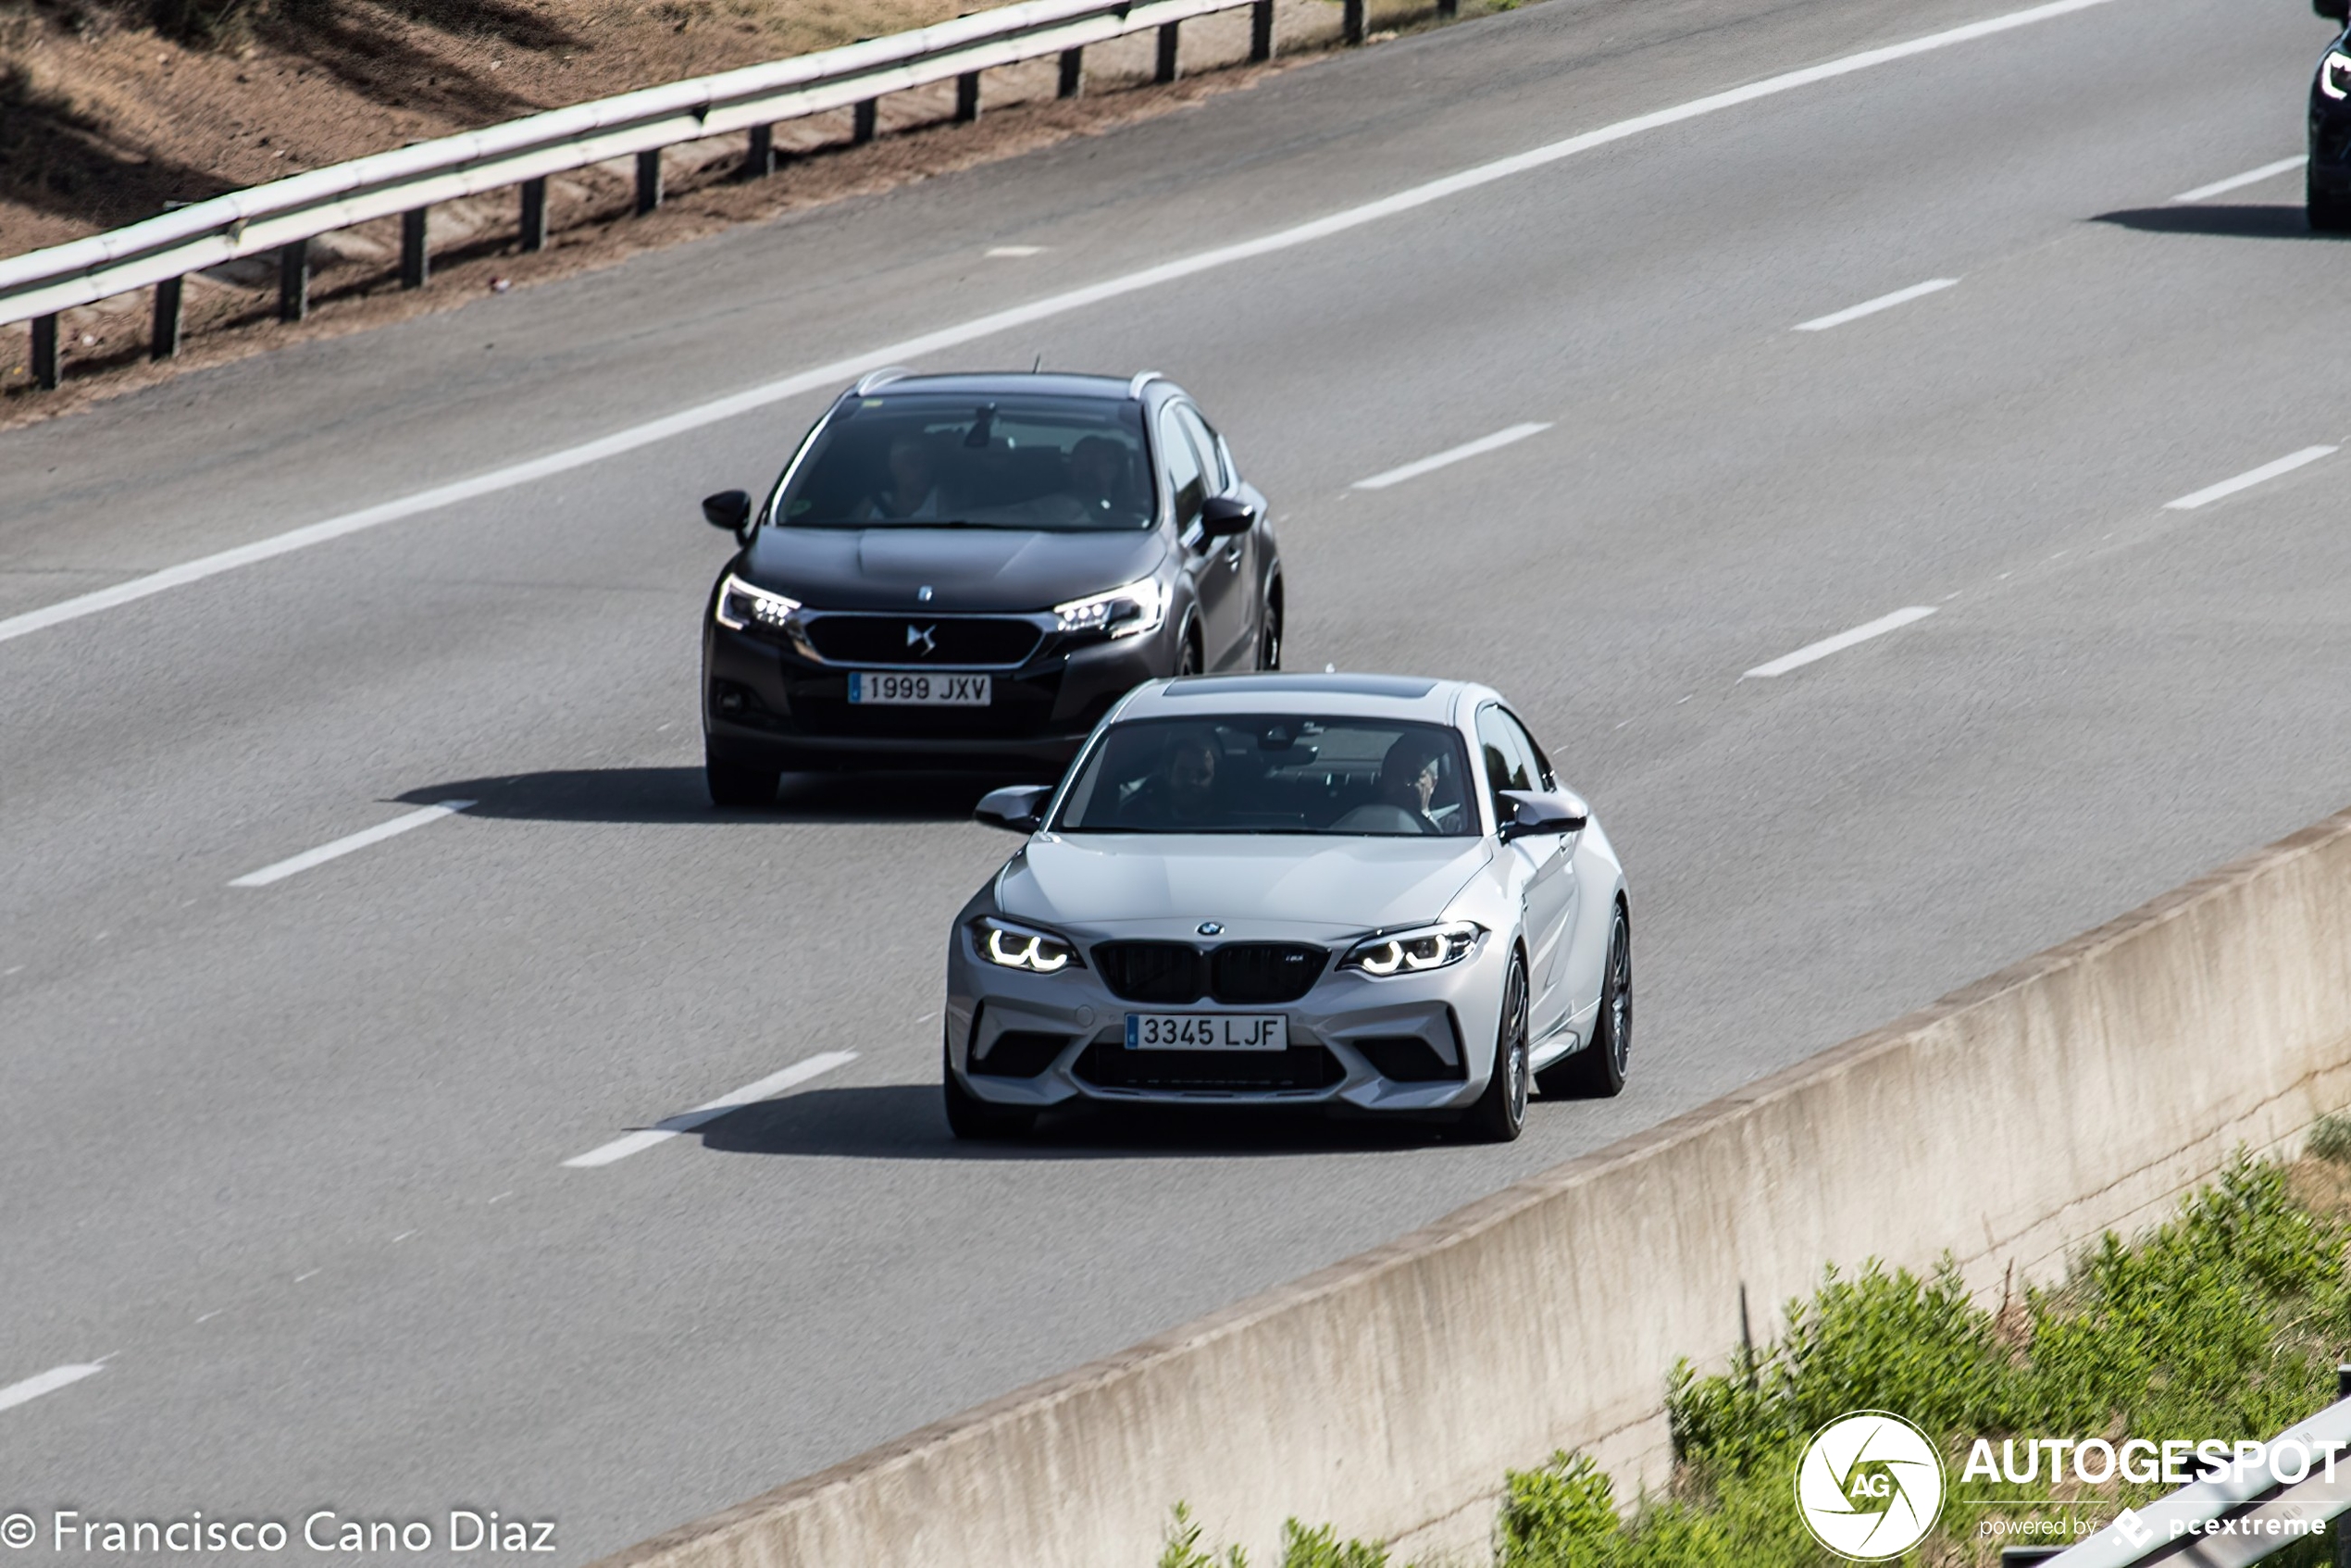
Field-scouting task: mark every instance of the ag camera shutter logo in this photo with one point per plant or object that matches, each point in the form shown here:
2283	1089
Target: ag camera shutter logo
1869	1486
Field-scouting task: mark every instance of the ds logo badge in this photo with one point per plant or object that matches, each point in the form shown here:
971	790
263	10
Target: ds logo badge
1869	1486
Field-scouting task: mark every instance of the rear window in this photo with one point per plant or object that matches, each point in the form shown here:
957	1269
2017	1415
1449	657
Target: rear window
929	460
1268	774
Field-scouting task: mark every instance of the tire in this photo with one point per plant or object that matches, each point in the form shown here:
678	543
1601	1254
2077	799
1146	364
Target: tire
973	1119
1188	661
2330	212
733	784
1500	1114
1597	1072
1269	635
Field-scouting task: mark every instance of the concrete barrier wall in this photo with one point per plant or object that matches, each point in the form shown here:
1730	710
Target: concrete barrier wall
2006	1125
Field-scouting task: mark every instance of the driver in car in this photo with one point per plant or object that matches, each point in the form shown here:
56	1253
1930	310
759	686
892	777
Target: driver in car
1408	778
1183	793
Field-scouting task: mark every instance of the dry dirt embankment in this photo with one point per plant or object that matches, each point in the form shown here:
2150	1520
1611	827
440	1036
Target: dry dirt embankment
111	109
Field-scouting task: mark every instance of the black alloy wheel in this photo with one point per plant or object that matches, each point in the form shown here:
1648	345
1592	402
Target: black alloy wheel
1500	1114
1187	662
1597	1072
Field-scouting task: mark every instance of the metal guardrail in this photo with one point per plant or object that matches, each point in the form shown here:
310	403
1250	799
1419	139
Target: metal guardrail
2227	1521
284	216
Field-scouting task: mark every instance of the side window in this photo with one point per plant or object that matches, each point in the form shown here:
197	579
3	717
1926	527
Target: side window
1185	479
1544	777
1211	450
1509	765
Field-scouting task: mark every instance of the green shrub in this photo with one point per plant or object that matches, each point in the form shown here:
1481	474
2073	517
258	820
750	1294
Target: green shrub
2330	1139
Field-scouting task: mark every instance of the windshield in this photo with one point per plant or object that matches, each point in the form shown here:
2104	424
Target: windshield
1009	461
1268	774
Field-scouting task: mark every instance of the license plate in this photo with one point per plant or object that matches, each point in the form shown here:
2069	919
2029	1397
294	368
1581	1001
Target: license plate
919	690
1206	1031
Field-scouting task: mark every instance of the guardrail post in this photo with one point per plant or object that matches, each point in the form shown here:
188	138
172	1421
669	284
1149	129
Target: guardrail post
1261	30
1073	72
164	342
2339	1528
1350	27
967	97
759	157
294	279
45	352
1166	71
647	181
534	213
865	122
415	260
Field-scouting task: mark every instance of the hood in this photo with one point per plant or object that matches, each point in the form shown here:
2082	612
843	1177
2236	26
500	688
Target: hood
966	570
1326	886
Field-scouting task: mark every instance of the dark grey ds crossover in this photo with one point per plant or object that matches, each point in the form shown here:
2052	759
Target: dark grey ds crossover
968	570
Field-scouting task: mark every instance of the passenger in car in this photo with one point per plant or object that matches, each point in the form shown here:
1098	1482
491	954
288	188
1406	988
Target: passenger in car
1099	475
912	494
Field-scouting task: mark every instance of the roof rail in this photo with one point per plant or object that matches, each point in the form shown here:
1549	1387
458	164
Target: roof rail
873	381
1143	378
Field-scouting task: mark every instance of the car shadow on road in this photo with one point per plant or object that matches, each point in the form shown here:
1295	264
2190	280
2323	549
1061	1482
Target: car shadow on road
677	796
908	1122
2225	222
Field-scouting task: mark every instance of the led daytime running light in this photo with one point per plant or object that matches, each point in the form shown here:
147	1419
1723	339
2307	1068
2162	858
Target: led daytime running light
2329	81
1414	953
739	603
1138	607
1017	947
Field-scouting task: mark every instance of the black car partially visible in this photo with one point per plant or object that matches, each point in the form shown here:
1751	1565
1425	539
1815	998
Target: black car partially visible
967	571
2327	177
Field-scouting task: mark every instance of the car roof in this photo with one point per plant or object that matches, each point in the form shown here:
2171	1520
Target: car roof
1336	693
1053	383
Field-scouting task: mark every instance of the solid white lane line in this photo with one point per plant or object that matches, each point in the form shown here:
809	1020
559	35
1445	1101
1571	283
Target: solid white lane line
2250	177
48	1381
913	350
2251	477
1870	308
1841	641
342	847
1015	252
1453	454
687	1121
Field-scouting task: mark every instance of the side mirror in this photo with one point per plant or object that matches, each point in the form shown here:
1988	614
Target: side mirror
729	509
2334	10
1534	812
1016	808
1224	517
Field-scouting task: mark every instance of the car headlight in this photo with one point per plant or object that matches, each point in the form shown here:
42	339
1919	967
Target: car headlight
1138	607
2335	75
740	604
1014	945
1413	952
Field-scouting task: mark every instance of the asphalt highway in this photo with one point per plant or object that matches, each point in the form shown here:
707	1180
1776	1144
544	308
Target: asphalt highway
288	1160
